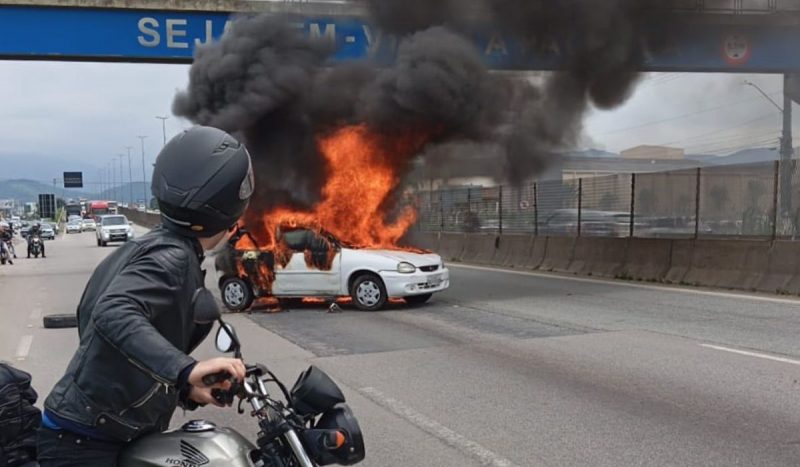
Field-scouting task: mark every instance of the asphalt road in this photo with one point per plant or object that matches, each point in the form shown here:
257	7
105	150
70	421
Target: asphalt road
504	368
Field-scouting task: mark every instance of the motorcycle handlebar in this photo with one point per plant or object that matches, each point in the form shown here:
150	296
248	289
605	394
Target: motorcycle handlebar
216	378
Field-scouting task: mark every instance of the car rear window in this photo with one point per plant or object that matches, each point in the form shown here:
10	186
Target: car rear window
116	220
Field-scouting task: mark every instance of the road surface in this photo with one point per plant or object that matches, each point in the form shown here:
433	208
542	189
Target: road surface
504	369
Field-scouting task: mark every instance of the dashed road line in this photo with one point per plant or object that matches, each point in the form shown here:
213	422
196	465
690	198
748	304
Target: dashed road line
24	347
434	428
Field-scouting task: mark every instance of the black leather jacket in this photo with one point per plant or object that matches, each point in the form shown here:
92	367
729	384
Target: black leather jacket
136	327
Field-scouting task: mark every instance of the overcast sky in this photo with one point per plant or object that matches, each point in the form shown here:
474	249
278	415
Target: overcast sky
83	114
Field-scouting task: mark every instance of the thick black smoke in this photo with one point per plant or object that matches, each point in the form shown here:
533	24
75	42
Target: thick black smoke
603	43
277	90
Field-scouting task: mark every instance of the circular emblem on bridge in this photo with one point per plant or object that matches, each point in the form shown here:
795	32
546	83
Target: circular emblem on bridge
737	49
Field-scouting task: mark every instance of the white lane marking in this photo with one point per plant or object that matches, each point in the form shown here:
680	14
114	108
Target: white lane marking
448	436
752	354
36	313
620	283
24	347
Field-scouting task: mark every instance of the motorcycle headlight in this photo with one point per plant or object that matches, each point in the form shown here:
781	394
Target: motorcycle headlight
406	268
336	438
315	392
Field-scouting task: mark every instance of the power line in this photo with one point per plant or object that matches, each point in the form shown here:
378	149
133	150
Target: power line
686	115
722	130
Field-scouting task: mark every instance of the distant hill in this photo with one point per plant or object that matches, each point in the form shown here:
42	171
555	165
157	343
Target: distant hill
28	191
43	167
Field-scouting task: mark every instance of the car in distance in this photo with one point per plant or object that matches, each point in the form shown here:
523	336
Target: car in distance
48	232
74	226
113	228
320	266
88	224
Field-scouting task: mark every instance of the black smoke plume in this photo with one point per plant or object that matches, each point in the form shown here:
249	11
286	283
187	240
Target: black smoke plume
279	92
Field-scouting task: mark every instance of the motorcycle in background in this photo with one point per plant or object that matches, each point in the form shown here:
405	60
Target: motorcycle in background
35	246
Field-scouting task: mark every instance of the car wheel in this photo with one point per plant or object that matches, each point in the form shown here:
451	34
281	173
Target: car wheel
237	295
102	243
418	299
60	321
98	242
368	292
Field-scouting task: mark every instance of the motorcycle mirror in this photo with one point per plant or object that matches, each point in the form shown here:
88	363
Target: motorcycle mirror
204	306
226	338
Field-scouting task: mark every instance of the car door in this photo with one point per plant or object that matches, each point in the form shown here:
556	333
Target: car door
308	273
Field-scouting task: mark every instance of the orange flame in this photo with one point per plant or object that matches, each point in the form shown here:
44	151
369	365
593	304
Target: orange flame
362	174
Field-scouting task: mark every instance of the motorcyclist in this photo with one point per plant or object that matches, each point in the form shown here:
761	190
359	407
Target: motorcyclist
35	231
135	319
6	242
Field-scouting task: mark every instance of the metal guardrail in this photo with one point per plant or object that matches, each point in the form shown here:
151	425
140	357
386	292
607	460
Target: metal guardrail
724	201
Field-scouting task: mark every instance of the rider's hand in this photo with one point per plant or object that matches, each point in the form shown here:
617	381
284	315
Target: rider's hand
203	396
233	366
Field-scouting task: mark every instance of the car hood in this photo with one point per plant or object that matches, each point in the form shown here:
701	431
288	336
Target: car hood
417	259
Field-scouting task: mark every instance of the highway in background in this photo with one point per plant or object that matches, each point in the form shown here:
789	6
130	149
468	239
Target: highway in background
503	369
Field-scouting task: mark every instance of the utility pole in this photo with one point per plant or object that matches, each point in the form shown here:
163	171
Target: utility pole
113	180
787	149
121	180
164	126
144	176
787	153
130	176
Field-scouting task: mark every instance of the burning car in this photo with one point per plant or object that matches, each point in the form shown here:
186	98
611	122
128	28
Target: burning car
307	263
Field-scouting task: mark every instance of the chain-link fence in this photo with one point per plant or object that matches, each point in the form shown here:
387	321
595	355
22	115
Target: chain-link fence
753	200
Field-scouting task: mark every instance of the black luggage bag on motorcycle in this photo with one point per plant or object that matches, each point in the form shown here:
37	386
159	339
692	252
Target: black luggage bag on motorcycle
19	419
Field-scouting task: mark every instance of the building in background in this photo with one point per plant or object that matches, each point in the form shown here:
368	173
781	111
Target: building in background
646	152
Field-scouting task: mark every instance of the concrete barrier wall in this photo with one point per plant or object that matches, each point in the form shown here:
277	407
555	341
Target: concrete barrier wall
752	265
144	219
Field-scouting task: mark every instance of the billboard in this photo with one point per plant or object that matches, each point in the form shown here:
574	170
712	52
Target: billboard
62	33
73	179
47	205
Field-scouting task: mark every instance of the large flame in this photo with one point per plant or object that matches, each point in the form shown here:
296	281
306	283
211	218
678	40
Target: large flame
363	172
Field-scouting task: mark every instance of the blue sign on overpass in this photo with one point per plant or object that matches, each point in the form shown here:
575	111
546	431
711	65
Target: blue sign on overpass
171	36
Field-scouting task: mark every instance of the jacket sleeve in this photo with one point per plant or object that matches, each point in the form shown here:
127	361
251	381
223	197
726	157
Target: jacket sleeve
144	289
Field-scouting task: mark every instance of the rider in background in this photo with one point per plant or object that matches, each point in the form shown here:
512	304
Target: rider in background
35	231
6	241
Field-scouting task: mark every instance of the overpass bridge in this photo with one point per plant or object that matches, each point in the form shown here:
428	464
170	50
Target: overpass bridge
723	35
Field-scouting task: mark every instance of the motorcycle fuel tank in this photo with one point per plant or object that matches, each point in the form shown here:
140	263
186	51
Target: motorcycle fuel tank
197	444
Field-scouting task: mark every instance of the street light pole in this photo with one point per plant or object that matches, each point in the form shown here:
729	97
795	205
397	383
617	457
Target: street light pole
787	152
121	180
164	126
144	176
113	180
787	149
130	176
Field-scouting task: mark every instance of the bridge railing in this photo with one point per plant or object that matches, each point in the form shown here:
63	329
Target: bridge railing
744	201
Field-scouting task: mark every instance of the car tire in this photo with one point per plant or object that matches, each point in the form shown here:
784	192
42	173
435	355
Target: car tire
368	292
68	320
103	244
237	295
418	299
98	242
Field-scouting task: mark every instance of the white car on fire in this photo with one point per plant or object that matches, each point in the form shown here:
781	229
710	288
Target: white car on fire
317	265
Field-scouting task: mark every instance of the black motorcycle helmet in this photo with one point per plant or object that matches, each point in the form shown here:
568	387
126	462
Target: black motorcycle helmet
202	180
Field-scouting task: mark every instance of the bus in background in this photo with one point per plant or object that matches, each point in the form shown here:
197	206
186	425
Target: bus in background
73	209
112	207
94	209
